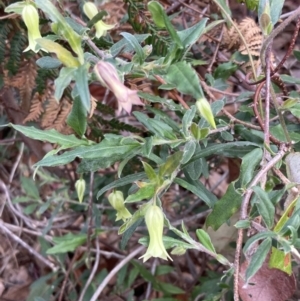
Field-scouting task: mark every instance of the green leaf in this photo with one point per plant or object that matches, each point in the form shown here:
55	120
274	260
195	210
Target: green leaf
224	70
161	115
150	172
187	120
169	103
67	243
156	13
77	119
205	240
257	237
66	75
265	207
249	163
220	148
191	35
106	148
297	55
224	7
281	261
188	151
128	233
161	19
30	188
48	62
172	163
51	136
124	46
290	79
224	208
122	182
169	288
195	169
161	129
135	45
197	188
169	242
144	193
243	224
81	78
258	258
184	78
275	10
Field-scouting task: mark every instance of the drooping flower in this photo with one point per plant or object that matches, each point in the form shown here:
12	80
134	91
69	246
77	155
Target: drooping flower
116	199
31	19
80	189
90	9
154	219
108	76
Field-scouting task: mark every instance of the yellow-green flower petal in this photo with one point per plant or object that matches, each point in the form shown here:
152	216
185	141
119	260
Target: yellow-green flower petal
116	199
154	219
91	10
31	19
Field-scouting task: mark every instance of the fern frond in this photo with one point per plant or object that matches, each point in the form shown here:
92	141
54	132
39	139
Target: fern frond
105	109
29	73
4	31
60	123
36	108
51	112
17	44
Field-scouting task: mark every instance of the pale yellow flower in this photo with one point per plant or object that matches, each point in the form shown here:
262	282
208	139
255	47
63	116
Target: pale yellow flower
91	10
154	219
31	19
108	76
116	199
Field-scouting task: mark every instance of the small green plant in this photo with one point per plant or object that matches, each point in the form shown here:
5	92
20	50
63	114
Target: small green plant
180	128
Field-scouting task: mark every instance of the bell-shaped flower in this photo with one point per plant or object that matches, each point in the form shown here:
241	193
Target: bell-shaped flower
80	189
116	199
31	19
108	77
154	219
90	9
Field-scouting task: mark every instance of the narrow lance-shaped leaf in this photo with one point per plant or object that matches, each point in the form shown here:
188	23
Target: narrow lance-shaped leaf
265	207
258	258
249	163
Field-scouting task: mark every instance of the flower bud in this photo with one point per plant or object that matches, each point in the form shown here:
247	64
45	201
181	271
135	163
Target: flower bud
31	19
80	189
90	9
116	199
204	108
154	219
108	77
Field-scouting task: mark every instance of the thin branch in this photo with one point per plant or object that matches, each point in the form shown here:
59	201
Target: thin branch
244	214
27	247
15	166
93	272
267	99
276	32
114	271
90	215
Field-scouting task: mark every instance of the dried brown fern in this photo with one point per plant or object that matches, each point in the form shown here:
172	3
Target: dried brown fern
56	114
36	108
250	31
51	112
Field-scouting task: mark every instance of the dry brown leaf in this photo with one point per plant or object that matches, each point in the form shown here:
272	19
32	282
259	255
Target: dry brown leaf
266	285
